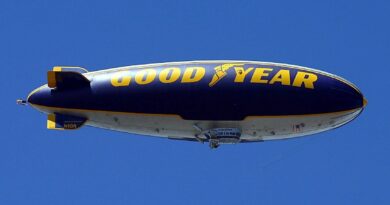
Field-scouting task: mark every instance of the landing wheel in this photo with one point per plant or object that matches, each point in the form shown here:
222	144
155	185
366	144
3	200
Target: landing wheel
214	144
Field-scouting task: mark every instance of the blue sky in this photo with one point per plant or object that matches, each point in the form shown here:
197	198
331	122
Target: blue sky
349	165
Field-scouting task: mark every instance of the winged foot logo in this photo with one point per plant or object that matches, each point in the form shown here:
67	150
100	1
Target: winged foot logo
220	72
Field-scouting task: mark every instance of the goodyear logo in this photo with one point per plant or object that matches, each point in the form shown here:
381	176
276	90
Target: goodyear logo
194	74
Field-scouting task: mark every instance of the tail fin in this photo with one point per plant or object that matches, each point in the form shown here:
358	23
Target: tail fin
67	78
58	121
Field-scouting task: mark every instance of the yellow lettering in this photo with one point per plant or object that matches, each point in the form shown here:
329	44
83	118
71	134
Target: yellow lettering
164	75
190	77
282	76
241	74
307	79
259	73
120	79
145	76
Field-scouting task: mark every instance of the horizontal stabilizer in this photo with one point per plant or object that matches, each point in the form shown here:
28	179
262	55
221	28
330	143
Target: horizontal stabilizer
64	122
66	80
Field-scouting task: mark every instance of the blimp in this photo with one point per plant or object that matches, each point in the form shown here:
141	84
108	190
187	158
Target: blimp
215	102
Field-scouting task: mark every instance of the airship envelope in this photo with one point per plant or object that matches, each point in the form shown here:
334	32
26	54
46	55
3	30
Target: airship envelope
207	101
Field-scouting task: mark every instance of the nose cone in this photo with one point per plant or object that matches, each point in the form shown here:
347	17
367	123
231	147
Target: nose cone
348	94
335	94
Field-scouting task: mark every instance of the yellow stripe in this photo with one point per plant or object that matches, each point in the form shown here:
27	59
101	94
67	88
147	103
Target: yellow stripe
57	69
178	116
100	111
305	115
